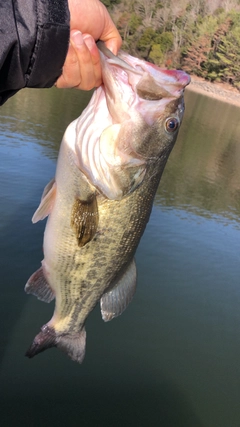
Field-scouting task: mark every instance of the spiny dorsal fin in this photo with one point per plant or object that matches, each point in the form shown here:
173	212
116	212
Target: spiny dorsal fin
46	203
38	286
115	301
84	219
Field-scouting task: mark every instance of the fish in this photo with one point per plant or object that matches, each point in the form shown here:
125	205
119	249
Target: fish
108	170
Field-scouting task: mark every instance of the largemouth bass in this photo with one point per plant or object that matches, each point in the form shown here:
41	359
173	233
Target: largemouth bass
109	166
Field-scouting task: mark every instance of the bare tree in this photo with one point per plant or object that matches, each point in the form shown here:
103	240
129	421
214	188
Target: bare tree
229	5
162	17
146	8
212	6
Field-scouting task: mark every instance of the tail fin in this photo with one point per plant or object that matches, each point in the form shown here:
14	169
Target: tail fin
72	344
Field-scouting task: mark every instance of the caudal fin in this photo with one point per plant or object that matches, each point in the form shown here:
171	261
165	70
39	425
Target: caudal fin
72	344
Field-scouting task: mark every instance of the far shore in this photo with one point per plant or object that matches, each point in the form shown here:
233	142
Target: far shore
221	91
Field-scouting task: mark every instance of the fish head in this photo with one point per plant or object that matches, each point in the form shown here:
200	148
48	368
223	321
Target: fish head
132	121
148	97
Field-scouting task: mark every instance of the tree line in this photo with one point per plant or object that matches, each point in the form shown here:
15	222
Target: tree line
199	36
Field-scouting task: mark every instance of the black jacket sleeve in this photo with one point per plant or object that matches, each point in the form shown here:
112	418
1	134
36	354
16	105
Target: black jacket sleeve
34	36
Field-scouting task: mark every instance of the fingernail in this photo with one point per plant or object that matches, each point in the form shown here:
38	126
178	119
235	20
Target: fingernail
111	47
88	40
77	38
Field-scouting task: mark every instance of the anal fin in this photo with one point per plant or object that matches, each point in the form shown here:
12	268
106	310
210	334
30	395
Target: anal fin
84	219
37	285
116	300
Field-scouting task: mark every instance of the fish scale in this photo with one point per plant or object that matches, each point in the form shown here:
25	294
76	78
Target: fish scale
109	166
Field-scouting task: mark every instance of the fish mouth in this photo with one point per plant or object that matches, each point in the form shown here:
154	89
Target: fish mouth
116	60
180	77
172	82
134	84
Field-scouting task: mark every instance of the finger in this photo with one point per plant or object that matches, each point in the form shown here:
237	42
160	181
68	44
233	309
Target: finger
113	45
95	58
82	67
71	73
83	46
110	35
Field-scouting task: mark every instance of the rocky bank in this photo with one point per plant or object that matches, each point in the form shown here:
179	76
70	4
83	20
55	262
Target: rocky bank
222	91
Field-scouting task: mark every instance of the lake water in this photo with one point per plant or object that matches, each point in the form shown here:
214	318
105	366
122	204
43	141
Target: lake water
172	359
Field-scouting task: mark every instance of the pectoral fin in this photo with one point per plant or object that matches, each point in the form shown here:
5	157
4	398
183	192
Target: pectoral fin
115	301
84	219
38	286
46	203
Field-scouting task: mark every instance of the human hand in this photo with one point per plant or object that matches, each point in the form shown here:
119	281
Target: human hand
89	21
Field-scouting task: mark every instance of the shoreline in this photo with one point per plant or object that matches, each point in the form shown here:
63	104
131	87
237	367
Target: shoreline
220	91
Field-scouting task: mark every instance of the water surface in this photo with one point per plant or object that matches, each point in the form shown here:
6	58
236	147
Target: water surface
172	359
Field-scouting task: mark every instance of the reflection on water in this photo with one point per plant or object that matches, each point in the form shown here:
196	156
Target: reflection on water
42	116
172	359
203	173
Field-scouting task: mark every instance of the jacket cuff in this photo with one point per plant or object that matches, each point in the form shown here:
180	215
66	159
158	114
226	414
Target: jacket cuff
51	46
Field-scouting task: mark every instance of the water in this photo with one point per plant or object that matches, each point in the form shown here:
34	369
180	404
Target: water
172	359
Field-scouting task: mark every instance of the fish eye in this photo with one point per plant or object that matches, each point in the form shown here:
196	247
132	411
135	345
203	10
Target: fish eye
171	124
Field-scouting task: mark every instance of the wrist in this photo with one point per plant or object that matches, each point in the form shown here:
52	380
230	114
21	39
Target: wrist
51	45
